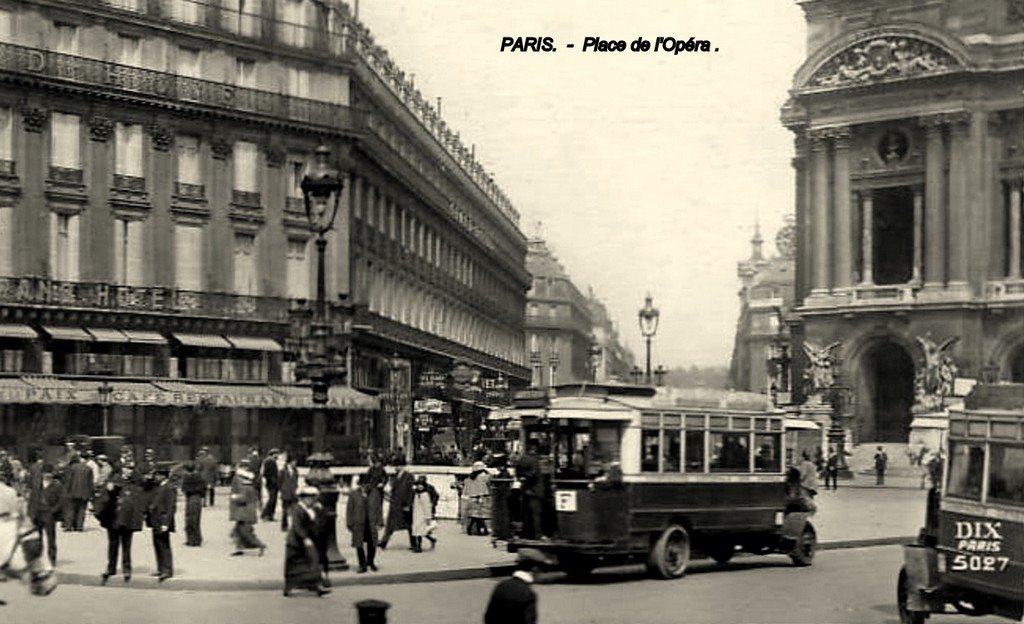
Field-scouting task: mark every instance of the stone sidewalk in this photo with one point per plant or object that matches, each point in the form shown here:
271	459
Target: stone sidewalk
849	517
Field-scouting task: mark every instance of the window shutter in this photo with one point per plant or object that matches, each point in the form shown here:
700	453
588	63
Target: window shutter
119	251
135	256
188	257
56	270
6	134
245	166
74	222
64	141
188	160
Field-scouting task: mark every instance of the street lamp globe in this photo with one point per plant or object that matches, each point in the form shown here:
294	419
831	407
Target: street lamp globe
648	316
321	190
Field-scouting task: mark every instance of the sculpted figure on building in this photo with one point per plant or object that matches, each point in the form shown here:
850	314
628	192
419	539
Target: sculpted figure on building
820	373
933	382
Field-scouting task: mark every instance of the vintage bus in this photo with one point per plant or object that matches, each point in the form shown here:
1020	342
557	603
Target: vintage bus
632	475
970	553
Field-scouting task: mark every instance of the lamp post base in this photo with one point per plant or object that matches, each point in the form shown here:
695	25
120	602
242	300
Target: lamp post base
335	560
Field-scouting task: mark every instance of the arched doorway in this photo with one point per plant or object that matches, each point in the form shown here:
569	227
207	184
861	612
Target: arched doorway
888	372
1017	366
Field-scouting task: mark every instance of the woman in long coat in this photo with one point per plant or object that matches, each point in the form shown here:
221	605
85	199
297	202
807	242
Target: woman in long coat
476	494
243	512
302	568
362	517
422	515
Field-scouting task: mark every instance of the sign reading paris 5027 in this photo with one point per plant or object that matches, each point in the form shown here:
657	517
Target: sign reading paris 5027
671	45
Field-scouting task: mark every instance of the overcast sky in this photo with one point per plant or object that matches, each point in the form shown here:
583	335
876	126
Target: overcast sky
647	170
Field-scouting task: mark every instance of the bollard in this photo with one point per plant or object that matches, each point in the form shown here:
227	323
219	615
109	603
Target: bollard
372	611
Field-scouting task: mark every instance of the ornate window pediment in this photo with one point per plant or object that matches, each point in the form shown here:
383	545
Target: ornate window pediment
882	58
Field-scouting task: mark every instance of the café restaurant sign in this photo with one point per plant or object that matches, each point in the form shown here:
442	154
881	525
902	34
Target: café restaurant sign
267	398
99	295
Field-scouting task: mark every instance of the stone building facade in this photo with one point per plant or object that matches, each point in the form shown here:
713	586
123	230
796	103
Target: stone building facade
155	256
611	360
558	322
908	125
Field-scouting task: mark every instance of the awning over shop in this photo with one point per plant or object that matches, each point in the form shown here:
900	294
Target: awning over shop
138	336
254	344
11	330
338	397
107	335
211	341
591	414
68	333
800	423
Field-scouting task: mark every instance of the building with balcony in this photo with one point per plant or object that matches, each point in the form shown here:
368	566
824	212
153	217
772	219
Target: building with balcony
908	127
611	360
155	256
559	325
760	357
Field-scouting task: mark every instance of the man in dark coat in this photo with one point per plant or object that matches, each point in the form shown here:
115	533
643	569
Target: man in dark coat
208	470
194	488
400	511
160	518
377	477
302	563
288	481
120	509
528	471
44	506
269	474
362	519
513	601
78	481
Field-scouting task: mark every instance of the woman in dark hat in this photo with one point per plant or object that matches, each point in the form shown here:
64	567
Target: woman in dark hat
243	511
302	568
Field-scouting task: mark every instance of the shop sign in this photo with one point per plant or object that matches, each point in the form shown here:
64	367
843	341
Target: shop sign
431	379
432	406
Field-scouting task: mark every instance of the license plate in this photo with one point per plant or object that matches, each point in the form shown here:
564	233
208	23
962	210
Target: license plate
565	501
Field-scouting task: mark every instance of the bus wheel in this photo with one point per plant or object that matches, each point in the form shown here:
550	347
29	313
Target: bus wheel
906	616
722	553
670	554
804	547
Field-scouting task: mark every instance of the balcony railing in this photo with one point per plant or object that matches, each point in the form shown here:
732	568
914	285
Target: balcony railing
128	365
186	190
109	76
41	291
134	184
1009	289
65	175
245	199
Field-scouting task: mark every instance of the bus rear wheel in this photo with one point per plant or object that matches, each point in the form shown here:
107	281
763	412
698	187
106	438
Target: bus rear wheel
804	547
670	554
906	616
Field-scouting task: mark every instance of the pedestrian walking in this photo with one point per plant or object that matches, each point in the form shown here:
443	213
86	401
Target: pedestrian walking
362	517
881	461
532	491
160	518
79	493
832	469
377	478
243	512
44	506
302	564
808	481
103	472
289	484
270	473
423	524
208	470
194	488
476	495
400	510
513	600
255	465
120	511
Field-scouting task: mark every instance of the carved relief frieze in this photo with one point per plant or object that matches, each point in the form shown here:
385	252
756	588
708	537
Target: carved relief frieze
220	149
33	119
881	58
101	128
161	137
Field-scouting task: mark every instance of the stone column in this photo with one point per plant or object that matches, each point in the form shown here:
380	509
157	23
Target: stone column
843	276
918	233
960	125
934	201
821	261
799	163
867	209
1014	188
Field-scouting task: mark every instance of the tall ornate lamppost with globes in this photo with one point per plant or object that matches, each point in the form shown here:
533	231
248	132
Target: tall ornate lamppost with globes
648	317
321	193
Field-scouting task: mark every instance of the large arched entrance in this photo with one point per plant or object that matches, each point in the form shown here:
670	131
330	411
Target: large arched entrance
1017	366
888	393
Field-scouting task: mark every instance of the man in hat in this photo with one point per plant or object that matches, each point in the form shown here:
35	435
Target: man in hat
302	565
208	470
162	503
362	517
243	511
103	471
513	600
194	488
43	507
269	473
79	482
289	489
400	511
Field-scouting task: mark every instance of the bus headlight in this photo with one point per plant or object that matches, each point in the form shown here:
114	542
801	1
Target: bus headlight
779	516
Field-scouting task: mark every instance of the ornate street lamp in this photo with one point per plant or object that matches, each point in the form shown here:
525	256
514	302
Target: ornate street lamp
321	192
320	477
104	391
660	373
635	374
648	317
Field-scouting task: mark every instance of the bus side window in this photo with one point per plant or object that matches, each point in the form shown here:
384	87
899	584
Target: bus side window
694	451
730	452
767	457
966	463
1006	474
649	450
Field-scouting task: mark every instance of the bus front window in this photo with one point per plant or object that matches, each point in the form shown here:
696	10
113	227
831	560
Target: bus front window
1006	474
966	465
